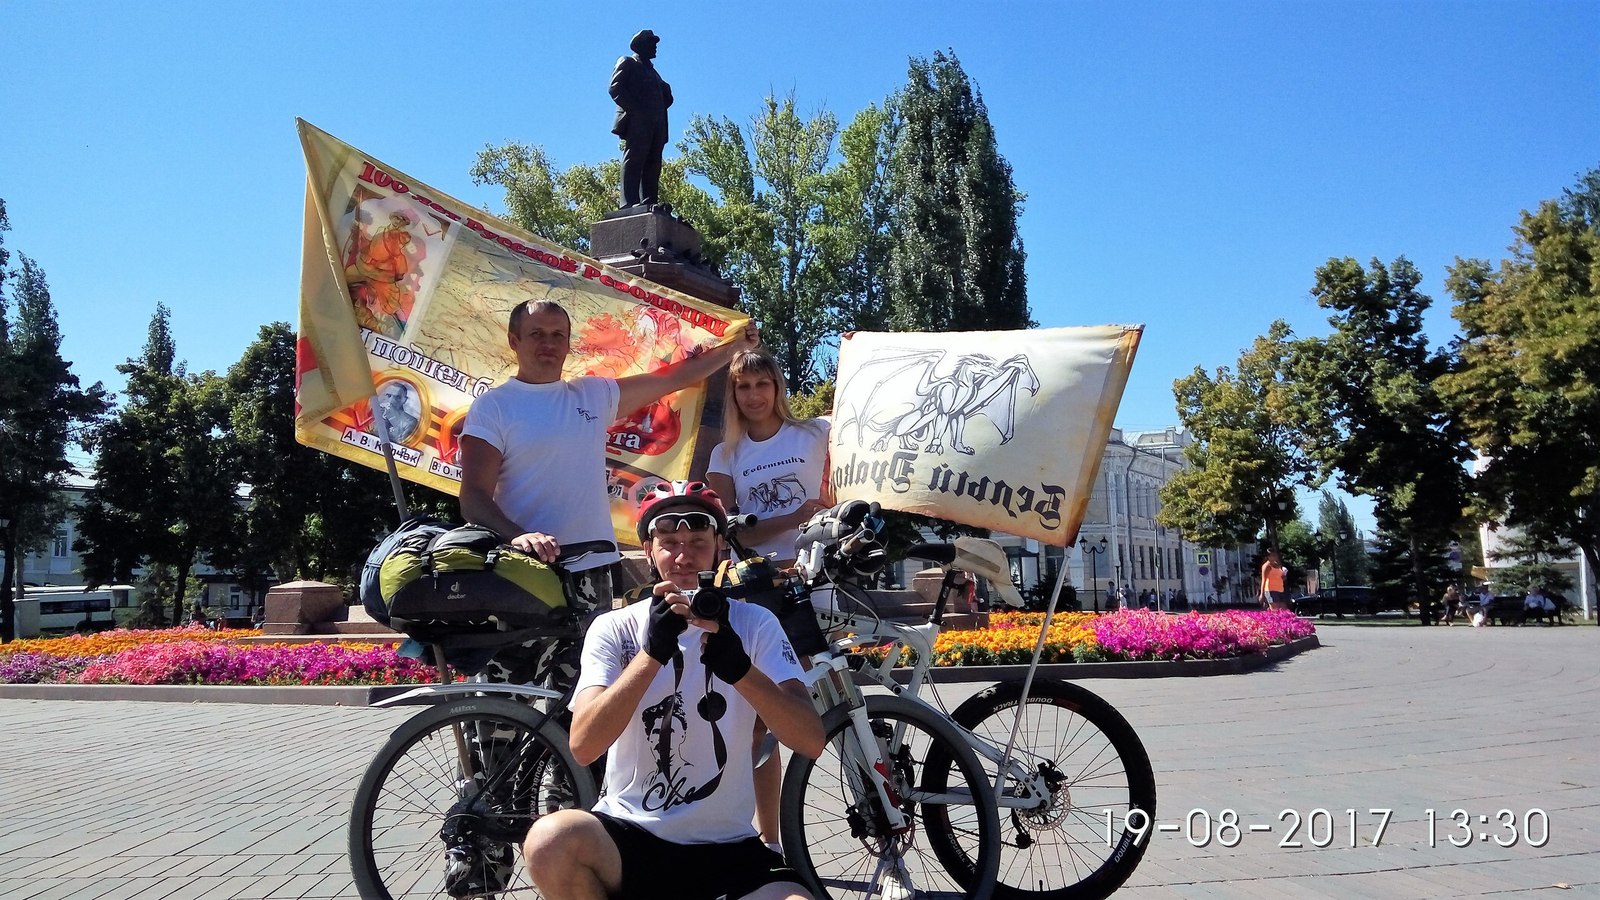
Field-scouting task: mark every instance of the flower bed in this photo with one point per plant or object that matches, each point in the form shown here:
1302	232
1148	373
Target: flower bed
1140	634
195	655
1124	635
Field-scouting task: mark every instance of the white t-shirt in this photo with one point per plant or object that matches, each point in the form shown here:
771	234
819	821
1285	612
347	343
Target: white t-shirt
552	440
775	476
664	771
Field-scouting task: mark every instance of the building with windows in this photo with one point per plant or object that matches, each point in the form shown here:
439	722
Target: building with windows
59	565
1120	544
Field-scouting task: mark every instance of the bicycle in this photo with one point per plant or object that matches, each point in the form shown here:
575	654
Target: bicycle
1078	791
445	805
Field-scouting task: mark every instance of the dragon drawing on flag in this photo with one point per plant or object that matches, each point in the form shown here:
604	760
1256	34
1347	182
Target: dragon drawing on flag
896	395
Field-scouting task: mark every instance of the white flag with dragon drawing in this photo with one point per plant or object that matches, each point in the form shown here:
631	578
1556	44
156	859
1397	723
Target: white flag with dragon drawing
995	429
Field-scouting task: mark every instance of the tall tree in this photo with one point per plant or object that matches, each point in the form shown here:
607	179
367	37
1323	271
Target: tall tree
1365	395
771	219
42	411
1347	551
1525	561
557	206
309	514
955	257
165	478
1247	453
860	209
1527	385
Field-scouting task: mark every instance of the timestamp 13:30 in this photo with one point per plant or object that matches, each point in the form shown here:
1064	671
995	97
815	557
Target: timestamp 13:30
1321	828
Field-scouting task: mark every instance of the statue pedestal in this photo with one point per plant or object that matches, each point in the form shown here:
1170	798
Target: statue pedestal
299	607
650	242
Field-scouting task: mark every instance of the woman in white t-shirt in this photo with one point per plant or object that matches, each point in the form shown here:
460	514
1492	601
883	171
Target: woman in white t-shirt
773	466
770	464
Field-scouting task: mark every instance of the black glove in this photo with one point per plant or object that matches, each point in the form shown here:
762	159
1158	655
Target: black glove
724	654
661	635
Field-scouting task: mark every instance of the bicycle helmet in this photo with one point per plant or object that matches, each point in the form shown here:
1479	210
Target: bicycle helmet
680	496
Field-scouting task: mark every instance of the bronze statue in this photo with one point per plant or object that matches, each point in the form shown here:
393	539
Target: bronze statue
642	99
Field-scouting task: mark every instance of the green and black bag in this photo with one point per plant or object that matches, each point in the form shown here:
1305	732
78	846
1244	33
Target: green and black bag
468	577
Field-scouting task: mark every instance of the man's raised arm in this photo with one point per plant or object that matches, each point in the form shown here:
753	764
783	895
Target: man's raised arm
635	391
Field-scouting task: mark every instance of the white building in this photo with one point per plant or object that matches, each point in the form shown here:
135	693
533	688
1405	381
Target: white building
1120	543
58	565
1495	537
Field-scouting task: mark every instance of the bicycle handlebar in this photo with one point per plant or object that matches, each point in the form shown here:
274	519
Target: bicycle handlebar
579	549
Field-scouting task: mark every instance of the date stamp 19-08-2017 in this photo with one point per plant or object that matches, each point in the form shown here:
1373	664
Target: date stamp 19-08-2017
1320	828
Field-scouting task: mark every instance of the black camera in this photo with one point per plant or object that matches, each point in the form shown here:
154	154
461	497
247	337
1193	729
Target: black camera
707	601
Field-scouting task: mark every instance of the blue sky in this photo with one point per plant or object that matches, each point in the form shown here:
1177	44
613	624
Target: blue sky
1187	165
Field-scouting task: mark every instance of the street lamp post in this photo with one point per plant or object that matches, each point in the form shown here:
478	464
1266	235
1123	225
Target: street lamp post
1344	536
1094	565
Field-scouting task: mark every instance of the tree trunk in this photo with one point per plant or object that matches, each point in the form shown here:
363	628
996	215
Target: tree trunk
1591	552
177	590
1424	603
8	600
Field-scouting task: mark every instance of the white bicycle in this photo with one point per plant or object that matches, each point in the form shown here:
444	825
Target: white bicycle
1077	797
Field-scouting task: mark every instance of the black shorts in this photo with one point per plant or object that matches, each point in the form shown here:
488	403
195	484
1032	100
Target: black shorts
652	867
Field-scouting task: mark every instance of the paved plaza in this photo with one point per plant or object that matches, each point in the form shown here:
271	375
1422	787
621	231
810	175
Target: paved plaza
167	801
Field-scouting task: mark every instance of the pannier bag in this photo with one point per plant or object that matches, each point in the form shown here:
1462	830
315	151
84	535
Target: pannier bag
419	529
467	576
757	580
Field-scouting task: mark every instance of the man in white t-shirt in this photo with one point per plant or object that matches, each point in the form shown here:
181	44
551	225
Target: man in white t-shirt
533	451
671	699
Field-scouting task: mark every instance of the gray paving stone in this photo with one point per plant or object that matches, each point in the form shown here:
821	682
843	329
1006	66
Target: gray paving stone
1403	718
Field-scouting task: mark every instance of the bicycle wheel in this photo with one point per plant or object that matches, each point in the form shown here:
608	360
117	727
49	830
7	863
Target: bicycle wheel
443	809
836	835
1094	766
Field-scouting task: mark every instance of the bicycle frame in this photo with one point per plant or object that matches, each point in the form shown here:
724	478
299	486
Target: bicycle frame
429	694
1030	791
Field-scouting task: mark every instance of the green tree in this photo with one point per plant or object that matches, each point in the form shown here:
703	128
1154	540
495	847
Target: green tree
1344	549
1525	561
955	260
309	514
772	222
42	411
1526	387
558	207
1247	452
1366	397
165	477
1299	548
859	206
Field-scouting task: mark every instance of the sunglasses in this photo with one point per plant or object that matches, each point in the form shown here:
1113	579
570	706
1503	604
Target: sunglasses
672	523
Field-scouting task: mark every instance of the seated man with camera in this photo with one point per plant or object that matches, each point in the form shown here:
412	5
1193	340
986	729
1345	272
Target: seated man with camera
670	690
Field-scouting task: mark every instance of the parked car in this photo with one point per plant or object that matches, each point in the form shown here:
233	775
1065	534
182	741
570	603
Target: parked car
1339	601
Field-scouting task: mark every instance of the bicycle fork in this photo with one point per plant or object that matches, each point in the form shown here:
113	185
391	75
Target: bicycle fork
865	758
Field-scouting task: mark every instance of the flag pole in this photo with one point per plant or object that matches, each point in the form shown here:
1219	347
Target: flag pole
1033	667
388	461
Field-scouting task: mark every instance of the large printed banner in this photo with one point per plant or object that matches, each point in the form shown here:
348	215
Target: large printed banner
405	293
994	429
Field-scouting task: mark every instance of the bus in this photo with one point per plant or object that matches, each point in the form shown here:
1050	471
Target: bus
56	609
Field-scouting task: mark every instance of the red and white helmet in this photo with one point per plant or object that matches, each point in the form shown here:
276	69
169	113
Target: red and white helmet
681	496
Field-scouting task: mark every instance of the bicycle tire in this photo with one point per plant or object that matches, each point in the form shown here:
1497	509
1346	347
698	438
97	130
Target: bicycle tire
1065	851
834	840
414	791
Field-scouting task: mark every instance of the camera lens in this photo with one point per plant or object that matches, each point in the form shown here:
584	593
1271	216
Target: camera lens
708	603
